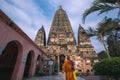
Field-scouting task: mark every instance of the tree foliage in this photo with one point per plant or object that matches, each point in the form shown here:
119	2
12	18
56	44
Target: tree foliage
103	29
102	6
102	55
108	67
113	46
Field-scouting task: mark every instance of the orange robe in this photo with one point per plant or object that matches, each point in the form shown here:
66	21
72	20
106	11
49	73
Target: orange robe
67	68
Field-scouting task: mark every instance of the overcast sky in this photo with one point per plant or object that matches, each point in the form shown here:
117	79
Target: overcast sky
30	15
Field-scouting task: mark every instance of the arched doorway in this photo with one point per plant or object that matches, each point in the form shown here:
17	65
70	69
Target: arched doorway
62	58
8	60
28	64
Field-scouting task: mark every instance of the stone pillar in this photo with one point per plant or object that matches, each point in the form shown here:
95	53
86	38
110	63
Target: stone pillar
58	63
50	63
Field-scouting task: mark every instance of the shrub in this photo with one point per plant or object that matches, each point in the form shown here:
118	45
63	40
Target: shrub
108	67
40	73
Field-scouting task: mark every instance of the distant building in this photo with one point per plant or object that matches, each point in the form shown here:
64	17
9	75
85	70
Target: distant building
61	42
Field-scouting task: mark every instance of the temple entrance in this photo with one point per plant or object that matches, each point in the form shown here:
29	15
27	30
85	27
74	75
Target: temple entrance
62	58
28	65
8	60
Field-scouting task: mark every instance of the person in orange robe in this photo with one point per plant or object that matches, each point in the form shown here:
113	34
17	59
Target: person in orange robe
67	69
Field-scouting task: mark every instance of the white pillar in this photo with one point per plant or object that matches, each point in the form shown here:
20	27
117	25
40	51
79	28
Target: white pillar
58	64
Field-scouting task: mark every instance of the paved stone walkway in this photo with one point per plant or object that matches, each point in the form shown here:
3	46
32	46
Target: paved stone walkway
55	77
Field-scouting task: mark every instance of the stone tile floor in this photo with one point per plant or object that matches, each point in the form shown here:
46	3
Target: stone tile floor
60	76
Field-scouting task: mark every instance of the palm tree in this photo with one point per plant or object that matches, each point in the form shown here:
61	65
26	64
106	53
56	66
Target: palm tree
113	46
104	29
102	55
102	6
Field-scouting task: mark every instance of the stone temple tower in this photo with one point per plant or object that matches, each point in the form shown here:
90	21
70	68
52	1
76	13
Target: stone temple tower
40	39
84	45
86	50
61	42
61	37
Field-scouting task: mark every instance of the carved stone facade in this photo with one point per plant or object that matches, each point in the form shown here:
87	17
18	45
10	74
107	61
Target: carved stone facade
41	38
61	42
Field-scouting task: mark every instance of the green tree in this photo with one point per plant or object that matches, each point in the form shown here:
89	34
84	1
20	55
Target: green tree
110	24
113	40
102	6
99	32
104	29
113	46
102	55
108	67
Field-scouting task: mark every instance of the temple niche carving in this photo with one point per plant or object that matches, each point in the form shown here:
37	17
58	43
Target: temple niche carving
61	42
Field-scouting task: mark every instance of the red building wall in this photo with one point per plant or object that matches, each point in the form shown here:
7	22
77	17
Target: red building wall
10	32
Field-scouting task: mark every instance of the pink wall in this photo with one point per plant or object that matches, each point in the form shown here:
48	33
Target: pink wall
8	34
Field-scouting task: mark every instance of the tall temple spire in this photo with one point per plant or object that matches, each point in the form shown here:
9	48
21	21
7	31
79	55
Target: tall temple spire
82	35
60	7
84	44
61	42
42	27
40	39
61	28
